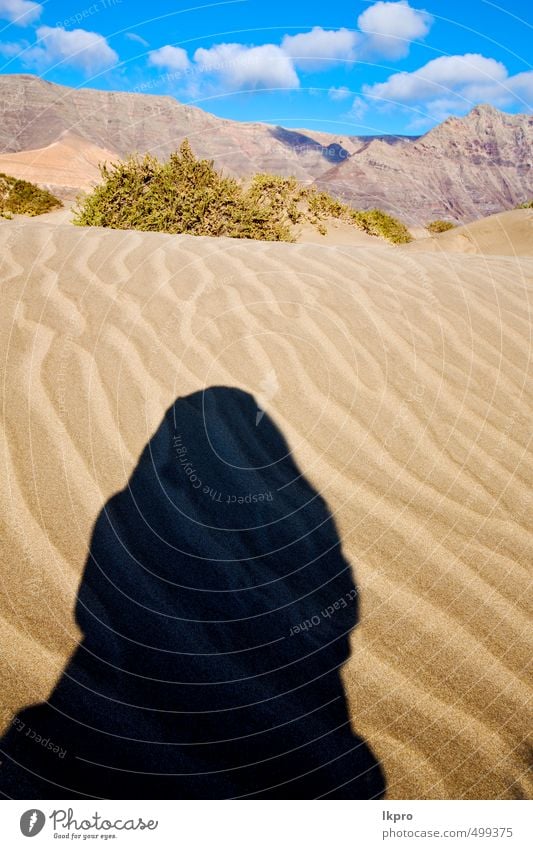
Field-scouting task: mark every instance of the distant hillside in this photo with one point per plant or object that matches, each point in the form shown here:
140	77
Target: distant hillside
463	169
68	164
36	113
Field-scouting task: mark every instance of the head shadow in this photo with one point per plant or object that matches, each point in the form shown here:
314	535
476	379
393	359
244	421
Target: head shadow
216	608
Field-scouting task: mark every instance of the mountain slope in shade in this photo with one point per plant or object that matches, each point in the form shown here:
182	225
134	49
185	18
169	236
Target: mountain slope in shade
463	169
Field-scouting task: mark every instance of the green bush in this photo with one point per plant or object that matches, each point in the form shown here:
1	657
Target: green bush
187	195
321	205
373	221
279	195
183	195
528	204
18	197
439	226
378	223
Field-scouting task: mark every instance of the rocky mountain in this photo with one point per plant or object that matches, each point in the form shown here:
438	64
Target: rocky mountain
463	169
36	113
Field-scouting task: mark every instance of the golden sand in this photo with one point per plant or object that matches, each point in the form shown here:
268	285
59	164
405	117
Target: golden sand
403	386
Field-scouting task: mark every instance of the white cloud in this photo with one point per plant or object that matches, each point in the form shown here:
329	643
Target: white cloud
318	48
9	49
340	93
522	86
78	48
20	12
386	27
358	108
469	78
132	36
172	58
452	85
239	67
391	27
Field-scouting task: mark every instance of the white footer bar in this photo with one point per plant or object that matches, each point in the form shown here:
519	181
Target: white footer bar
268	825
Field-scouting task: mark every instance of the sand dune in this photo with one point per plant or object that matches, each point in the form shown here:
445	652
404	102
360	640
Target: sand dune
401	381
506	234
71	162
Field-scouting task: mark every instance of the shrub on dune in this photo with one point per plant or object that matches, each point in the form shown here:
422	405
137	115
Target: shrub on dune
19	197
183	195
188	195
439	226
379	223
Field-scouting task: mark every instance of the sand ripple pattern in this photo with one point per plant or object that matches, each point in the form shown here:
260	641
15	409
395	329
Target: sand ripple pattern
402	383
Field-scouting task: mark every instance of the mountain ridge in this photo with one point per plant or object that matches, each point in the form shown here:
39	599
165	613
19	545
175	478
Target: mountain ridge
462	169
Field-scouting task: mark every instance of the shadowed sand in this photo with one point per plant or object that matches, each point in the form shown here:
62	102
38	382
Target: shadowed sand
401	382
216	608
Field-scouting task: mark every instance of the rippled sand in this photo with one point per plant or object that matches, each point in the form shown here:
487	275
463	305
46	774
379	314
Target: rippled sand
402	382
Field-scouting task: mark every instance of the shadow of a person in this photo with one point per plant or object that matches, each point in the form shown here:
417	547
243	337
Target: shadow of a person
216	608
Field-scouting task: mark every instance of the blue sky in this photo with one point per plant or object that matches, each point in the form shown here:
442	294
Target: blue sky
349	67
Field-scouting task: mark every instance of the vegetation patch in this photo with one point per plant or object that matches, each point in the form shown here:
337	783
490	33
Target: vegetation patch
188	195
18	197
528	204
439	226
379	223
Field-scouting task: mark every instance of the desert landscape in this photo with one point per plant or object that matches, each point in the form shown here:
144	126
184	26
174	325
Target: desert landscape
397	377
463	169
404	391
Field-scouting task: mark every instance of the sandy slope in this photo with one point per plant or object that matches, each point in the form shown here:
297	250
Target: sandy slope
70	163
402	382
506	234
338	234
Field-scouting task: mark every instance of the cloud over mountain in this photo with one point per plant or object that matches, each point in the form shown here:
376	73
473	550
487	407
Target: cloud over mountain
240	67
391	27
172	58
79	48
453	83
20	12
318	48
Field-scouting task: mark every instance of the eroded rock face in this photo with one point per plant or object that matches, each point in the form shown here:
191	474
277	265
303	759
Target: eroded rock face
463	169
